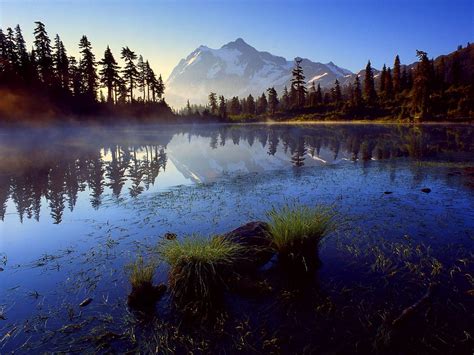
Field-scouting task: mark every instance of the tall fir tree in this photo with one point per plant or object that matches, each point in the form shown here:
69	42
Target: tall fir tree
87	67
383	79
43	56
222	107
251	108
298	84
369	86
272	100
130	72
397	75
109	73
213	107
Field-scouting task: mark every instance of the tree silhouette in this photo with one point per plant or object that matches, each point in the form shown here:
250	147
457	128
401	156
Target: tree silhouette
369	85
109	74
130	72
43	56
298	84
87	68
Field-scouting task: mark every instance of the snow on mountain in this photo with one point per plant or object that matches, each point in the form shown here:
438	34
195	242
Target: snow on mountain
238	69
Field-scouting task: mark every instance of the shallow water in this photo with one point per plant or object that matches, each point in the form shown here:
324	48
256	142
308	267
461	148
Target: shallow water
77	204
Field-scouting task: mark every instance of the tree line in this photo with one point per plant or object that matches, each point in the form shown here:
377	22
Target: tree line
83	83
430	89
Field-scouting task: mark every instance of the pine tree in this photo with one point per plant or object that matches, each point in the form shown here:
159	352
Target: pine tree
272	100
222	107
388	84
11	54
337	94
142	74
369	85
22	55
422	85
298	84
235	107
357	95
396	75
87	67
213	103
262	104
285	99
130	72
3	56
109	73
189	110
61	64
43	60
319	95
312	96
251	107
383	79
75	77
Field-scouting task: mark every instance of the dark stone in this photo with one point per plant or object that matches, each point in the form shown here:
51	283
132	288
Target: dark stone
170	236
388	192
255	237
145	296
86	302
426	190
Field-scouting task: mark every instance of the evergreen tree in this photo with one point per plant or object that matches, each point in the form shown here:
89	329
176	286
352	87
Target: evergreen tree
87	67
213	103
75	77
109	73
142	75
383	79
422	85
298	84
369	85
337	94
272	100
312	96
235	107
3	56
285	99
251	107
160	87
11	54
22	55
222	107
319	95
130	72
262	104
61	64
189	110
42	50
396	75
357	95
388	84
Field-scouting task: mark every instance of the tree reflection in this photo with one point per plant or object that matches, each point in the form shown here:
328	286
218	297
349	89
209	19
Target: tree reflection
59	175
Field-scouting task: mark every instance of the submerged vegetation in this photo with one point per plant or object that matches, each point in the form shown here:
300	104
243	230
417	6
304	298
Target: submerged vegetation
141	273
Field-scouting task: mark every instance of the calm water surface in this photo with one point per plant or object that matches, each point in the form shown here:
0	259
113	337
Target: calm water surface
77	204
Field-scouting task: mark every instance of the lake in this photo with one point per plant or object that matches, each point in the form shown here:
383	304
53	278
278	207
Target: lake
77	204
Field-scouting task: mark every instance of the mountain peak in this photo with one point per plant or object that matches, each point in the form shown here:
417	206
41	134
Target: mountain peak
239	43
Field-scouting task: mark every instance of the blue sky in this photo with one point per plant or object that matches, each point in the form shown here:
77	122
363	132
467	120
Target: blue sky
343	31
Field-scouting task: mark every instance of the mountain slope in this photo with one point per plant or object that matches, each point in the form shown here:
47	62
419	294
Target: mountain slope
238	69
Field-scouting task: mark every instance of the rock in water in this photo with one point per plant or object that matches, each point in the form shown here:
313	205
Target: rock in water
86	302
426	190
255	237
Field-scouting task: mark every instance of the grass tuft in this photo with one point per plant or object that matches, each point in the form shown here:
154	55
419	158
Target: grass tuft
198	265
140	273
297	230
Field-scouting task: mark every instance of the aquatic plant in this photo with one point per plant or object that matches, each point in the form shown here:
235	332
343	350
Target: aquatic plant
297	230
144	294
140	273
198	267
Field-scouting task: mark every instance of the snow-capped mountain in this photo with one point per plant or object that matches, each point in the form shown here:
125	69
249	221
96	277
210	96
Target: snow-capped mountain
238	69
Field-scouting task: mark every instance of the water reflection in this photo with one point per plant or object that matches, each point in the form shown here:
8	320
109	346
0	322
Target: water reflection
53	166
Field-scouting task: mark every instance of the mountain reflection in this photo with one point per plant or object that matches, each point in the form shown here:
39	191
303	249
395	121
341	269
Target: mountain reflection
55	166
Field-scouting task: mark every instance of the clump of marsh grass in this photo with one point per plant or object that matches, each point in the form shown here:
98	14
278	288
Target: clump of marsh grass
296	232
198	268
144	295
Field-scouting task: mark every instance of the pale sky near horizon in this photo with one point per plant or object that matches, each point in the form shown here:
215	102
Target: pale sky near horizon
347	32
